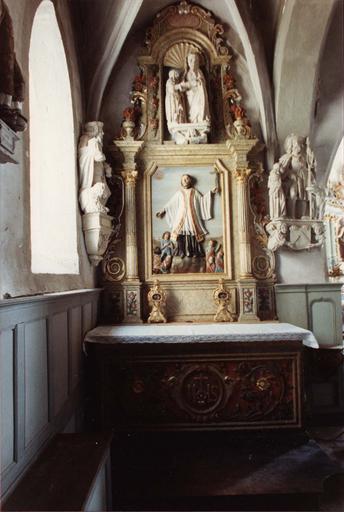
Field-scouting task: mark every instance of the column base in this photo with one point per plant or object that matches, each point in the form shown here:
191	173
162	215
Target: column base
132	304
248	300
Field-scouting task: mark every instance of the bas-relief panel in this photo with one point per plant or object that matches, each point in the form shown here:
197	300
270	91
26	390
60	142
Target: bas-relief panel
188	234
7	399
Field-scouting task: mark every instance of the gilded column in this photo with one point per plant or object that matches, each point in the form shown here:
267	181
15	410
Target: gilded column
241	177
131	286
130	178
247	285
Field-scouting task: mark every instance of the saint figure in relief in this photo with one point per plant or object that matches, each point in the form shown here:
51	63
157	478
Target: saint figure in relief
185	213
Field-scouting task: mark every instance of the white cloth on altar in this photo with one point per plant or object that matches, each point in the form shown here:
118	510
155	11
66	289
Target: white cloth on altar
202	332
185	212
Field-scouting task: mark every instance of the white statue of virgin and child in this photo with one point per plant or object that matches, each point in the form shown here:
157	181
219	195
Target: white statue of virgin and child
186	103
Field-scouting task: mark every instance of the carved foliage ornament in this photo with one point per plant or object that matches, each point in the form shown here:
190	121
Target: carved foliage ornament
113	266
263	262
186	15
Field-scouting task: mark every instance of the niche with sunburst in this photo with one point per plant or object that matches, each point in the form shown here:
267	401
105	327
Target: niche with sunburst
187	95
184	91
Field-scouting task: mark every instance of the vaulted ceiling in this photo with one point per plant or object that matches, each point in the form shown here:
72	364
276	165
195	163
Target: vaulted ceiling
288	62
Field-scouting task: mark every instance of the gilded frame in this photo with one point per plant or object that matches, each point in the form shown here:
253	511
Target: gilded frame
159	159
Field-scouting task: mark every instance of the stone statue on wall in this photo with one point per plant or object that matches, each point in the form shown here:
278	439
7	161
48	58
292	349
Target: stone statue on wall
294	167
276	194
186	103
94	191
11	78
296	200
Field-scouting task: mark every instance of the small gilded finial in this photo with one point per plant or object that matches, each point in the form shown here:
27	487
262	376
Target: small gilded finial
222	299
157	301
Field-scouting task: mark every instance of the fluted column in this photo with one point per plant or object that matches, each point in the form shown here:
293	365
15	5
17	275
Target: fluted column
132	285
241	177
130	178
247	285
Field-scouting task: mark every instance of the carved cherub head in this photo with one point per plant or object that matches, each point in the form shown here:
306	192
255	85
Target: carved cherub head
240	127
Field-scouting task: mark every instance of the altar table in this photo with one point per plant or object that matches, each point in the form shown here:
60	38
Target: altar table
197	376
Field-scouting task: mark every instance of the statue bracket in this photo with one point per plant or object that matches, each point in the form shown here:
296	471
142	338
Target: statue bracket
296	234
97	228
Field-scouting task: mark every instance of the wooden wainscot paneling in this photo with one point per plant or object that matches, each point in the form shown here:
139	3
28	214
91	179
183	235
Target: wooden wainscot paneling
324	321
40	370
7	398
36	379
58	360
75	345
313	306
87	317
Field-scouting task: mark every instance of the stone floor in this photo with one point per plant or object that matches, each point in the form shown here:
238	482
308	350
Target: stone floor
331	440
224	471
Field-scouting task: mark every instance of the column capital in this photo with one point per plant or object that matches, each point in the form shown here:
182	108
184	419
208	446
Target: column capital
130	176
242	174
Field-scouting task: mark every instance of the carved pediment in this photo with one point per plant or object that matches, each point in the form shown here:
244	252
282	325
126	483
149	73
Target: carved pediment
185	15
185	91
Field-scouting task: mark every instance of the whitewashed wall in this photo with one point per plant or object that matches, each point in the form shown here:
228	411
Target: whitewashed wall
40	372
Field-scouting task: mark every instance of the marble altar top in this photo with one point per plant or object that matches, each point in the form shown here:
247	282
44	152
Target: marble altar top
200	332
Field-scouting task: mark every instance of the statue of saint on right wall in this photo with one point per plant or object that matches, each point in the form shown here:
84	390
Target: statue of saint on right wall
296	201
